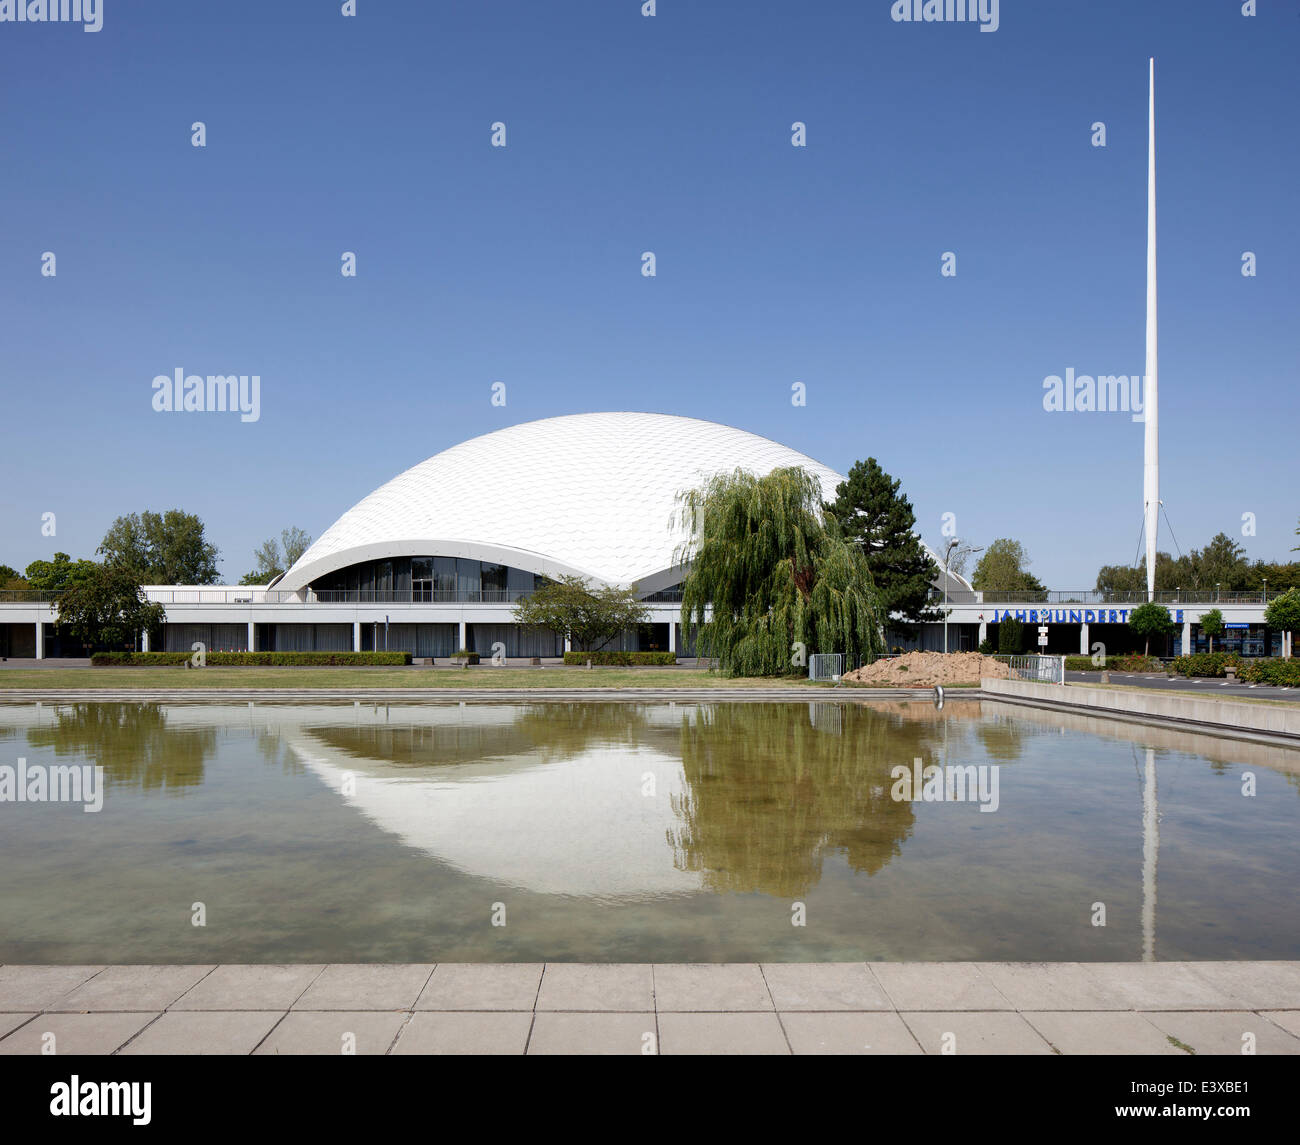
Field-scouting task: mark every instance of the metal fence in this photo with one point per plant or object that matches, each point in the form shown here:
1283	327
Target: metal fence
826	666
1086	597
1039	669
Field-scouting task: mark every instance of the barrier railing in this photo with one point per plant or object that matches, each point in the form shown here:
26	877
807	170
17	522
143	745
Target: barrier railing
826	666
1039	669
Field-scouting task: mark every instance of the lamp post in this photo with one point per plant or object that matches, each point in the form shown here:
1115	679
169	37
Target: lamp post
947	555
1266	590
1216	592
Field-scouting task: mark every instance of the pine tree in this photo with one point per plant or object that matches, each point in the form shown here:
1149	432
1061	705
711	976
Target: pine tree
878	520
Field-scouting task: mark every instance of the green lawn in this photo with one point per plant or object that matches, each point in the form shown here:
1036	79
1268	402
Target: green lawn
452	679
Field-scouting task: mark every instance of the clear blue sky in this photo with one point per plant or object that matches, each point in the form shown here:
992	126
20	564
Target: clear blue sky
671	134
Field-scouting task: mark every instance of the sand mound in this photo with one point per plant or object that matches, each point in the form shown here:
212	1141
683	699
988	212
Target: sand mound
925	669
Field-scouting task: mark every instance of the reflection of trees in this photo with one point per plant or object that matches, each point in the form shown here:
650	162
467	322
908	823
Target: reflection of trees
1003	739
772	787
131	742
549	731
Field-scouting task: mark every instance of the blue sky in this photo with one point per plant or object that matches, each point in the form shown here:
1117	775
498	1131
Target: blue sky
668	134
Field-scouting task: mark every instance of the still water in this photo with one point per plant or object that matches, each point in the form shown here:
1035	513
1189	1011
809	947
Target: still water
637	832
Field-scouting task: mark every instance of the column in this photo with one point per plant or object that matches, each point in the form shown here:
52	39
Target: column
40	640
1187	637
984	630
356	636
252	636
672	636
1084	649
144	640
463	638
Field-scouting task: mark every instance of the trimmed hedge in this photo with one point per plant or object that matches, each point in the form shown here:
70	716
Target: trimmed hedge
253	659
1131	662
620	659
1280	673
1205	663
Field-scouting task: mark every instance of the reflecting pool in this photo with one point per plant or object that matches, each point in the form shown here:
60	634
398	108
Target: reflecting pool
615	831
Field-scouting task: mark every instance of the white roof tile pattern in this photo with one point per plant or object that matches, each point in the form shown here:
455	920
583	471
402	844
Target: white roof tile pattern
592	494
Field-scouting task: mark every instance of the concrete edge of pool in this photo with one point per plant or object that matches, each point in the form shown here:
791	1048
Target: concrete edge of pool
1149	1008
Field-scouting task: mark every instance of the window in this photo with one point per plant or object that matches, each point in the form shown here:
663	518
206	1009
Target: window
422	579
492	579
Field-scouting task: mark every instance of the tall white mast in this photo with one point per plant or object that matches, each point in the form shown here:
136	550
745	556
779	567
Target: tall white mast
1151	452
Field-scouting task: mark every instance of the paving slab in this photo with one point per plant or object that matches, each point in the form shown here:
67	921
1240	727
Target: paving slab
356	986
249	988
482	986
1075	1032
203	1032
943	986
1222	1032
9	1022
132	988
1051	986
75	1033
824	986
1289	1020
721	986
483	1032
733	1033
970	1033
1161	986
847	1033
368	1032
35	987
592	1033
578	986
1259	985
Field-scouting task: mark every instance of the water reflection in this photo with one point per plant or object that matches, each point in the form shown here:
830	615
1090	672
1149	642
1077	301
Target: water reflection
351	831
136	744
771	790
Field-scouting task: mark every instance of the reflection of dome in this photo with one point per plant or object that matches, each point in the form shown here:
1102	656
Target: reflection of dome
579	826
589	494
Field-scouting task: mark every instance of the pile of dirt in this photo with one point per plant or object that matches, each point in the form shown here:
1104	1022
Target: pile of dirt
925	669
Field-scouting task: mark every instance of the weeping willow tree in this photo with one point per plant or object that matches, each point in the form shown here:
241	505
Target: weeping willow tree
767	576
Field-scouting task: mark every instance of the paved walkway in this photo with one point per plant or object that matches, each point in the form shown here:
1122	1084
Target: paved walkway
1197	685
1168	1008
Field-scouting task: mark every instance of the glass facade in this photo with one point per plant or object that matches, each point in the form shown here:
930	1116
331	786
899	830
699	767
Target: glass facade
1250	640
426	580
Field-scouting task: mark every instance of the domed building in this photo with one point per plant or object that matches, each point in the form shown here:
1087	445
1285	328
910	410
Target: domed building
435	559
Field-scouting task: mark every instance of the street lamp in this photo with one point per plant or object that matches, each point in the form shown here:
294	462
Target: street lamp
1266	590
946	557
1216	592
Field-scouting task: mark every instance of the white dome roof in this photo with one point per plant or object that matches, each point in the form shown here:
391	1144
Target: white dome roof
590	494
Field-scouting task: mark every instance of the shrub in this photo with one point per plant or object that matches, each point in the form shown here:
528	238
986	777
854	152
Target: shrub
466	655
1081	664
1205	663
1278	672
1011	636
620	659
986	648
254	659
1133	662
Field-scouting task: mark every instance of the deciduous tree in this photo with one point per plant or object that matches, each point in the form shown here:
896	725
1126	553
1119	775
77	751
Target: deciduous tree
769	578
